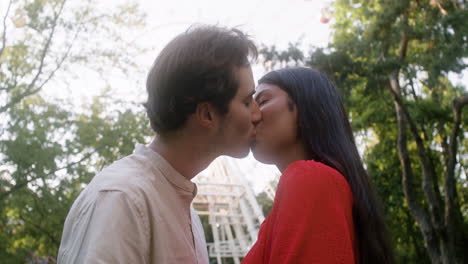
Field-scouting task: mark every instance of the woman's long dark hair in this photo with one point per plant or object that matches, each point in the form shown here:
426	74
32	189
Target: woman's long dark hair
325	130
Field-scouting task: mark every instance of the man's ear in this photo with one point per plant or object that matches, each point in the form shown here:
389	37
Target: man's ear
205	115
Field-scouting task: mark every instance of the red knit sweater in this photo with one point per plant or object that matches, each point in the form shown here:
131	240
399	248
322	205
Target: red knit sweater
311	220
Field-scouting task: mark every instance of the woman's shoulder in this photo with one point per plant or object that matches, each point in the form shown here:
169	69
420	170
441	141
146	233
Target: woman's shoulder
314	174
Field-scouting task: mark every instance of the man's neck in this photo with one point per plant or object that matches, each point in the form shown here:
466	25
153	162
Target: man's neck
186	155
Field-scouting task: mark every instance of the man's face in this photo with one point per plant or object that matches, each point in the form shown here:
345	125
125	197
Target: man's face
236	131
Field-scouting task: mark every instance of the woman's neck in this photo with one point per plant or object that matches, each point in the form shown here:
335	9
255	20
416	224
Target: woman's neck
294	153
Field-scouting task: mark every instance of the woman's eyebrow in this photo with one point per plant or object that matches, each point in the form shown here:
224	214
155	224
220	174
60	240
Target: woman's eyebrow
250	94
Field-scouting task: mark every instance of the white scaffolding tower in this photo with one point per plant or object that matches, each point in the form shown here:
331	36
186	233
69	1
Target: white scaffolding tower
233	211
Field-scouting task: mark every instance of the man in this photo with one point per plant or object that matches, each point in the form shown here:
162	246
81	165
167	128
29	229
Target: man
200	105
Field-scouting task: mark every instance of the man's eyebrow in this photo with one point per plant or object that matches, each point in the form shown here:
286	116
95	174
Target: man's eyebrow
259	94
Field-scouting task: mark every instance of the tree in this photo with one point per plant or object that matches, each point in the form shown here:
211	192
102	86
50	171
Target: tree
391	60
49	149
46	37
34	214
401	41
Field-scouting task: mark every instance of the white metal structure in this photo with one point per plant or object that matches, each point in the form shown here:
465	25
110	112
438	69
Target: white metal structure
234	214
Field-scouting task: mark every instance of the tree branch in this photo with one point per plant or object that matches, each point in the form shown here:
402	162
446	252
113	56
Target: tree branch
4	29
429	225
443	143
439	6
62	60
429	184
41	229
450	185
30	90
413	92
427	169
23	184
47	46
421	216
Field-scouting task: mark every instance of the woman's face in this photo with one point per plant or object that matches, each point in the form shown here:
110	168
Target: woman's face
276	131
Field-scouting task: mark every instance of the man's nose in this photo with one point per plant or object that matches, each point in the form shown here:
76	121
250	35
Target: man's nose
256	113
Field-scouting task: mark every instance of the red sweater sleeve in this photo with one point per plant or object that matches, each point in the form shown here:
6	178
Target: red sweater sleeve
311	220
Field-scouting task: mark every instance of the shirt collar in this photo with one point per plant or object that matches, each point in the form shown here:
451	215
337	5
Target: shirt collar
171	174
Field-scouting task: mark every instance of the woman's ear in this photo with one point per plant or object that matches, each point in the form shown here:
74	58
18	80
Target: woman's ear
204	114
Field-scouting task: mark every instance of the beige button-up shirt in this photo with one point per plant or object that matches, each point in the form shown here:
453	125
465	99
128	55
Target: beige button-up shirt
137	210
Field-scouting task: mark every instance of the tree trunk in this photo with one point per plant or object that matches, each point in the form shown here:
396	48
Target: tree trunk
438	235
416	209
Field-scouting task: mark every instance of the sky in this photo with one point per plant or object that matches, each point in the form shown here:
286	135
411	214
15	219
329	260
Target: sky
268	22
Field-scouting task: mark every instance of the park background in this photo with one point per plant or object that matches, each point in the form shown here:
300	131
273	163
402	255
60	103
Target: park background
72	80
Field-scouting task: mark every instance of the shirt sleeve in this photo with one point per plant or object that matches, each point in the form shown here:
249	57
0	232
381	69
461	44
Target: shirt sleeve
313	219
117	231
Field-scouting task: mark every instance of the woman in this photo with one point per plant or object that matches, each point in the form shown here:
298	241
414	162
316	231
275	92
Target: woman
325	210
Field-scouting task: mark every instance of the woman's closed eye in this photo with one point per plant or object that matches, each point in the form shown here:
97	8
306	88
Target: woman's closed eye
248	102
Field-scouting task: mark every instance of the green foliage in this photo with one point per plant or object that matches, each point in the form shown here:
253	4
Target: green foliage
48	152
384	168
265	202
51	155
368	45
50	149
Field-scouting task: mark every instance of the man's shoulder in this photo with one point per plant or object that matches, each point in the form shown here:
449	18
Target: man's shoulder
127	176
131	174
